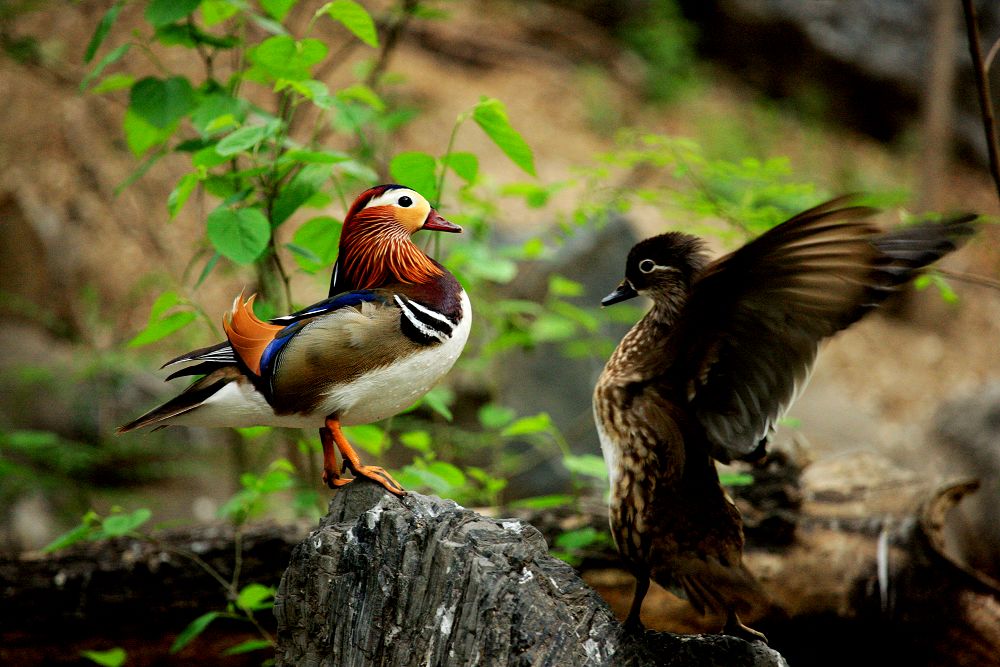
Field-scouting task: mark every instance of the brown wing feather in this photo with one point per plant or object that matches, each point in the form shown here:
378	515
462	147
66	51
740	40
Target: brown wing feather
751	328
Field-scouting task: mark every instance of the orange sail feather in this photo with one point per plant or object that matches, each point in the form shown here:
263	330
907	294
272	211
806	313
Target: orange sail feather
248	334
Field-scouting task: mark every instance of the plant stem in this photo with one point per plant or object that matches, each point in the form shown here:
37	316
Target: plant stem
983	88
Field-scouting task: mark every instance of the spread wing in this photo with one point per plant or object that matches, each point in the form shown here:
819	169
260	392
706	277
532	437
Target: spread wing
750	330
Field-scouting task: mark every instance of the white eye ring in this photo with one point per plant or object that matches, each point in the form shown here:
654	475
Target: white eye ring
647	265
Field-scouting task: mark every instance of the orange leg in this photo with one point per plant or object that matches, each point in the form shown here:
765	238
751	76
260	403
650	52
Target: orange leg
331	435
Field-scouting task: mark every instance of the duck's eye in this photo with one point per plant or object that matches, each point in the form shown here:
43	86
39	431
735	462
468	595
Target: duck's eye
647	265
405	201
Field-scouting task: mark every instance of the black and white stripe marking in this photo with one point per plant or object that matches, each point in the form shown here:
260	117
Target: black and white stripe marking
421	324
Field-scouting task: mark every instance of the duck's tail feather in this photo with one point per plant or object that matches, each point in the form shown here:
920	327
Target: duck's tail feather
192	397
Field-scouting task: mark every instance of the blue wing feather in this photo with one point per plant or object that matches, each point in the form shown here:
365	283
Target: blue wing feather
329	305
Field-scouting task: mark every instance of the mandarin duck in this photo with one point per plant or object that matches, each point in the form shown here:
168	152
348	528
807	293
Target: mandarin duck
707	372
395	322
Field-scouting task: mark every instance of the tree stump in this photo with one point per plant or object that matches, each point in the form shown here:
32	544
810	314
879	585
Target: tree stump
423	581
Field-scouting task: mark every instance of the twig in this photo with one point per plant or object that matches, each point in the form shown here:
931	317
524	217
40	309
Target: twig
983	87
970	278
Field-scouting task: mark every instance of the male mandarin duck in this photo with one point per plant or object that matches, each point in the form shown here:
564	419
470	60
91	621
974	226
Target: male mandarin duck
394	324
707	372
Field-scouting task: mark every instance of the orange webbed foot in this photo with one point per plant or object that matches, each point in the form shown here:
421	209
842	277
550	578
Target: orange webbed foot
379	476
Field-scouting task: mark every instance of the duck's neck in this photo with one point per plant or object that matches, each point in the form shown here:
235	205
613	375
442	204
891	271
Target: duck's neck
370	260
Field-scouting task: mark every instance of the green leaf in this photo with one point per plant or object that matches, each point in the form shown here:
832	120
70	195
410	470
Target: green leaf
590	465
112	83
448	472
550	327
248	646
321	237
162	328
368	437
315	157
113	657
141	135
194	628
493	416
416	170
162	102
206	117
439	399
491	116
281	57
78	534
418	440
466	165
544	502
214	12
255	597
560	286
117	525
580	538
101	32
109	59
164	12
540	423
735	479
245	138
277	9
363	94
242	234
299	190
354	17
180	194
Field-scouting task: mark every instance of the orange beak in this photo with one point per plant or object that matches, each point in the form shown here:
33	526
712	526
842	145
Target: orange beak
438	224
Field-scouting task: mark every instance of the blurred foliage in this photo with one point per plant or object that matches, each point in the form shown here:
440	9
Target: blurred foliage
664	40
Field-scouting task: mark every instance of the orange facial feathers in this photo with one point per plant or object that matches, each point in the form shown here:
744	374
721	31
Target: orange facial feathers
248	335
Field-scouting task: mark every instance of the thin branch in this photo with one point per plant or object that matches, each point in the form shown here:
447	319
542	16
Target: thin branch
983	87
392	34
970	278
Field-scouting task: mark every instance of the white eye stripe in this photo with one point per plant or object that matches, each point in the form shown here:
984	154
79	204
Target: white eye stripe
391	198
648	266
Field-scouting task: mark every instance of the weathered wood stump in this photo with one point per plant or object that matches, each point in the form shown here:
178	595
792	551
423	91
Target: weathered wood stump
423	581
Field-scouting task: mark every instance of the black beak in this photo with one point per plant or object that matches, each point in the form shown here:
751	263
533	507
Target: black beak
624	292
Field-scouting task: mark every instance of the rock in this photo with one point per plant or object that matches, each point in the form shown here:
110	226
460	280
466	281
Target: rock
423	581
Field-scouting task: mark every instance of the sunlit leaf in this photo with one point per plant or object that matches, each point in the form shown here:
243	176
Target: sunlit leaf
544	502
112	657
281	57
179	195
117	525
254	597
590	465
418	440
354	17
466	165
162	328
245	138
491	115
540	423
191	632
368	437
416	170
112	83
493	416
277	9
248	646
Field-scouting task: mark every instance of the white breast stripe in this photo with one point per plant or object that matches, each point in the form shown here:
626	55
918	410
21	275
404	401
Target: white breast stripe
415	321
432	313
